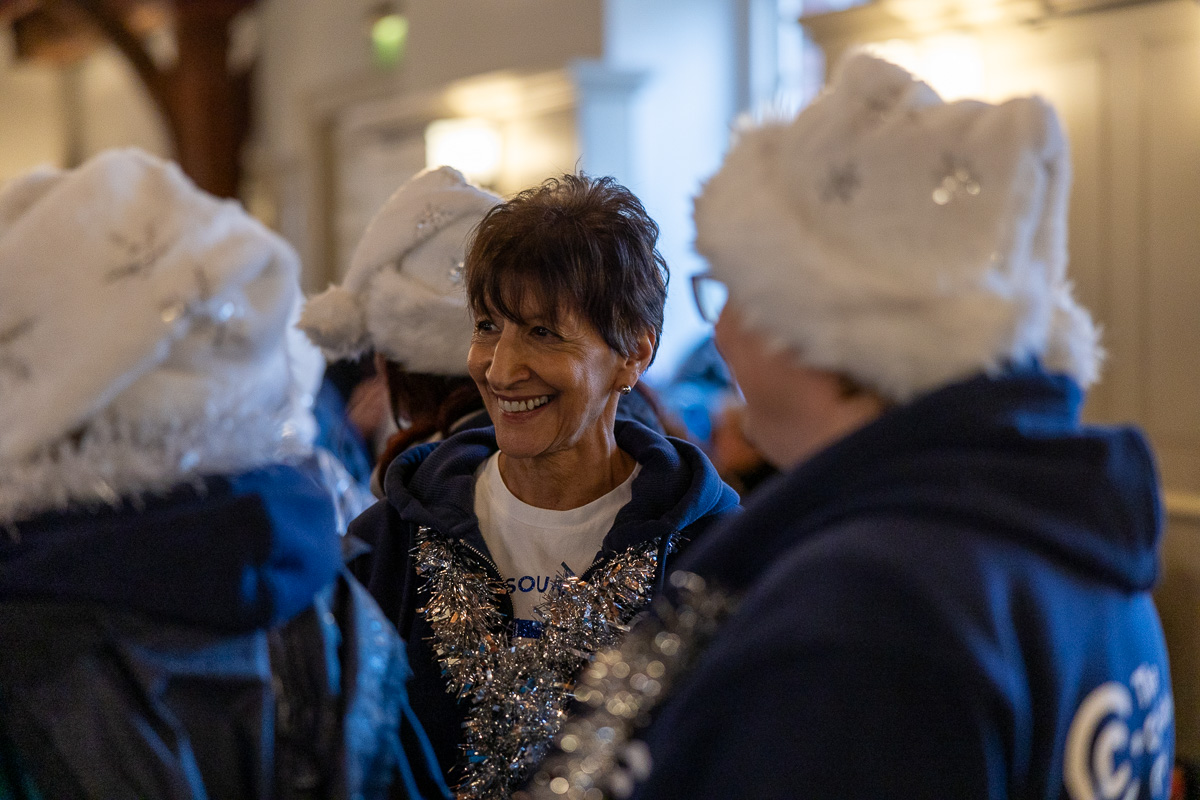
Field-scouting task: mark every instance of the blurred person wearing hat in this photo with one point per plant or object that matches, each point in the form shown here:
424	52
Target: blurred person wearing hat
402	299
175	619
947	594
506	553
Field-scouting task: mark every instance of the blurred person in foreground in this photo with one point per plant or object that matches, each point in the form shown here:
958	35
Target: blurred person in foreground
947	595
175	619
506	554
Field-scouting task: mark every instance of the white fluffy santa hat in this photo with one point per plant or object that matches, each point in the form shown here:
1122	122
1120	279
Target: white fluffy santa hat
145	336
403	294
901	240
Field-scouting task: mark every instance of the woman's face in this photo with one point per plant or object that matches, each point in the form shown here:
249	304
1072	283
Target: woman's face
547	387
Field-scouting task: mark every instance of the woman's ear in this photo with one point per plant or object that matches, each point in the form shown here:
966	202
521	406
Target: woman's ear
643	352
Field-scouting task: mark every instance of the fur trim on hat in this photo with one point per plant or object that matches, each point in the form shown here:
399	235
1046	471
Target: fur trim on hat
336	323
113	460
403	294
417	327
903	241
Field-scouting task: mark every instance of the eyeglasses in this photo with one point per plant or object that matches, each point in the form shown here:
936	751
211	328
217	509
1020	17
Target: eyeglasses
711	295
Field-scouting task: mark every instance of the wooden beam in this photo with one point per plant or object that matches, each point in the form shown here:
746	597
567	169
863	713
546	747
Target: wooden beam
206	109
156	82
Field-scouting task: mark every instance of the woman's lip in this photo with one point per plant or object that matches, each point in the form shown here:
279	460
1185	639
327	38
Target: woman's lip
516	399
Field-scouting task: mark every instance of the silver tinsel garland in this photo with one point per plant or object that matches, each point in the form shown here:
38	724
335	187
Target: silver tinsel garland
518	691
597	756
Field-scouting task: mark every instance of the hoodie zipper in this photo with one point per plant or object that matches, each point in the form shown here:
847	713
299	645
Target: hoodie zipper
485	560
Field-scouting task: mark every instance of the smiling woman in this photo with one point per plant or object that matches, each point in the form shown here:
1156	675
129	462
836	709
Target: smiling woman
551	390
522	549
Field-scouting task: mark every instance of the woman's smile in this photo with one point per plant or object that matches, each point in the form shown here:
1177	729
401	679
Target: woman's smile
521	406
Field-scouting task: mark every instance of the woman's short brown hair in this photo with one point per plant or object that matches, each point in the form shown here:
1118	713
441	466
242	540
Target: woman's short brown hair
574	242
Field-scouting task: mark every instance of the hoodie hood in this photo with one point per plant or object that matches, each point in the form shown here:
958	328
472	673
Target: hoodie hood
234	553
1006	456
434	485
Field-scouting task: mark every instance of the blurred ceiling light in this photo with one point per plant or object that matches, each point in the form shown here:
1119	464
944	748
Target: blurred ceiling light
954	64
951	63
498	96
472	146
389	34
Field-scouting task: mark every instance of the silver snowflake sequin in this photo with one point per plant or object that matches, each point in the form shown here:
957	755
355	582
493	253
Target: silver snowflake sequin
431	219
225	318
841	184
10	363
139	256
954	181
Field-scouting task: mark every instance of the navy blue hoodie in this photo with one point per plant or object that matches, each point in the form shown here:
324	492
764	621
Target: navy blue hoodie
952	602
677	491
199	644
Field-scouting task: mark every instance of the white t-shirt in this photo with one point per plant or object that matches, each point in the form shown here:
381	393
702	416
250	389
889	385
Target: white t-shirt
530	544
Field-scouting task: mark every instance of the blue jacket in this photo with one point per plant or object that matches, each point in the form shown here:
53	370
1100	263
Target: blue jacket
677	491
952	602
201	644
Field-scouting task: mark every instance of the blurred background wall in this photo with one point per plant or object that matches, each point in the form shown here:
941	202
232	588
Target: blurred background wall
313	111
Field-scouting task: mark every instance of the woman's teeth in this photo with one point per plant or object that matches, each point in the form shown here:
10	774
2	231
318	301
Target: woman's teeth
523	405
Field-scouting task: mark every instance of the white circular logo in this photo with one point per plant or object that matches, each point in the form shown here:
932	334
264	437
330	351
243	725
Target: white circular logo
1108	756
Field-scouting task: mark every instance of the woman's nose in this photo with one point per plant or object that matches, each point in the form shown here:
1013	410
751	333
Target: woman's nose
508	365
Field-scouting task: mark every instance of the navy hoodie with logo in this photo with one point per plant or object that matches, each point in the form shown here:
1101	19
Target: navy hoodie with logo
677	491
952	602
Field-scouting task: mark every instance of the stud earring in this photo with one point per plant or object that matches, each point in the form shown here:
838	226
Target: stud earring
626	389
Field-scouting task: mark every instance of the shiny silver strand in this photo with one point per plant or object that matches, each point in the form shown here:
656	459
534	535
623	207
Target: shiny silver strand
518	691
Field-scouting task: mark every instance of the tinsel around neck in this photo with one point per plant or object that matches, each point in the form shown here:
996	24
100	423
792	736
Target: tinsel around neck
518	692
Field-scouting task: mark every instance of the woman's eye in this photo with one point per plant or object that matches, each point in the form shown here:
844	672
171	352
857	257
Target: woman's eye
541	331
484	326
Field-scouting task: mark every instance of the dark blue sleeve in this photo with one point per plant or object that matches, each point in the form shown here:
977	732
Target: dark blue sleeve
847	724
